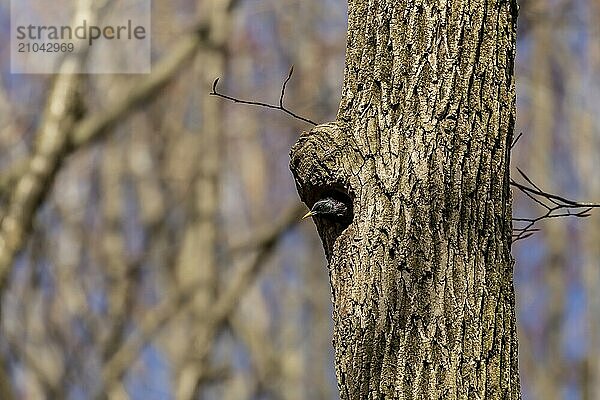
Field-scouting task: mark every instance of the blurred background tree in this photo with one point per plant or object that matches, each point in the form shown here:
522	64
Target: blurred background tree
159	254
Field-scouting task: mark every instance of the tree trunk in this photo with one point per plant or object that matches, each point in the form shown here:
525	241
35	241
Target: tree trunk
422	276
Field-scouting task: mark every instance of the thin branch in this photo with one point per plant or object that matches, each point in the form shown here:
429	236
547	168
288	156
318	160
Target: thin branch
279	107
549	196
516	140
528	179
284	86
556	207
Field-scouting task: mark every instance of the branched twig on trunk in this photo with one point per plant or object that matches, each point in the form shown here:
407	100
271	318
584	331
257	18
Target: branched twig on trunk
555	206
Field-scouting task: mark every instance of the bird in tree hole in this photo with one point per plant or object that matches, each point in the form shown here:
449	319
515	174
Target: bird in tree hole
332	209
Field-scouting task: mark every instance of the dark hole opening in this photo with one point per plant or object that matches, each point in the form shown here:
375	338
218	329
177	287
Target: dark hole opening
331	226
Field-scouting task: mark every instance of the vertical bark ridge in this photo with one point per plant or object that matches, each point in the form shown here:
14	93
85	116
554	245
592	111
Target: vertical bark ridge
422	277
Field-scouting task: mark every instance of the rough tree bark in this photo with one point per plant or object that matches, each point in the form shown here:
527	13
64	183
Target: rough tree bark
421	278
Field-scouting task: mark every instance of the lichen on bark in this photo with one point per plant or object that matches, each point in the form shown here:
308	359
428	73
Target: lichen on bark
422	277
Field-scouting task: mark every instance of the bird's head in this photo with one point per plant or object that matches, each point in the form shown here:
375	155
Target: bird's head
329	208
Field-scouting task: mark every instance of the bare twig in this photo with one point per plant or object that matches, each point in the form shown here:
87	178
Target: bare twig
555	206
279	107
516	140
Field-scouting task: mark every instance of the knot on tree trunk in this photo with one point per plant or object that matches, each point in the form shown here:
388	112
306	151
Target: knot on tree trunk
324	163
319	162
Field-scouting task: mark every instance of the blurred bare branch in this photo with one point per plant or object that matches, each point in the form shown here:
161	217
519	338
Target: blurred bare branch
171	307
154	245
58	135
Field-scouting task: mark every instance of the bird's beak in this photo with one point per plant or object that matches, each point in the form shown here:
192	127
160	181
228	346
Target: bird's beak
308	214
